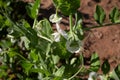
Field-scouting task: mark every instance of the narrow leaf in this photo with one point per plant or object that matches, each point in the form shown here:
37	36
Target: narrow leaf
32	10
95	62
105	67
60	71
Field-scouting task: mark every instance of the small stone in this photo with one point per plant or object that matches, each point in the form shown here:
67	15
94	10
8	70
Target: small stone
115	41
99	35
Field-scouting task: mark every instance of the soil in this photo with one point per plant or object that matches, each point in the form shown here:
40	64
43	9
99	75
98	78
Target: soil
105	40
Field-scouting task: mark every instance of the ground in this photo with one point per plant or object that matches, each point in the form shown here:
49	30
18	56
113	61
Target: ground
105	40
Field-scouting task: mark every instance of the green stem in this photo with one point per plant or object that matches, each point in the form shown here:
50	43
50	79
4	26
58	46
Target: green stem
105	25
70	22
34	24
45	38
76	73
57	11
22	57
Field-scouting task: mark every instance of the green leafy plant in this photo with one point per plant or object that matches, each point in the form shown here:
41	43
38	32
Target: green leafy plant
37	52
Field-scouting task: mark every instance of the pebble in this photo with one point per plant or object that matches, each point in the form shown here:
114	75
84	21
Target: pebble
99	35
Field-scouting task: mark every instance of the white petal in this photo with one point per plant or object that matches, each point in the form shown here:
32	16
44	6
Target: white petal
62	32
90	78
55	19
93	75
56	36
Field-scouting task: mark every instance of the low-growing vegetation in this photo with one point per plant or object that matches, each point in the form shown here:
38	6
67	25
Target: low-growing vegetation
31	50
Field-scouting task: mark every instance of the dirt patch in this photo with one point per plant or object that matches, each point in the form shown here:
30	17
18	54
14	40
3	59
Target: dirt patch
105	40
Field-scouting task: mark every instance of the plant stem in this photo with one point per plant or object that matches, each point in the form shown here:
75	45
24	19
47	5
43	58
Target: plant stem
45	38
70	22
22	57
34	23
76	73
105	25
57	11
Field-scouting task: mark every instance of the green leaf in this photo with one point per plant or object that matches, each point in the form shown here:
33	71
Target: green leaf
46	29
73	60
33	56
66	6
32	10
105	67
117	70
78	30
26	65
25	23
26	41
99	15
60	71
3	73
57	78
60	50
37	70
12	53
95	62
81	59
116	73
7	23
55	58
115	15
5	44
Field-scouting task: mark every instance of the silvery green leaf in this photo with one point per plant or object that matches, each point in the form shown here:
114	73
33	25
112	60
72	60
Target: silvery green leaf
26	41
99	15
115	15
55	58
60	71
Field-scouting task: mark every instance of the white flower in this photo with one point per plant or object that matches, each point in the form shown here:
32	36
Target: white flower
62	32
56	36
73	47
55	18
